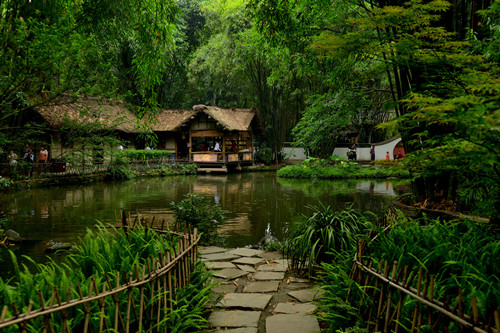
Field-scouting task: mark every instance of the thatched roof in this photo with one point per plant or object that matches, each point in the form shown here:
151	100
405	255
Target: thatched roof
110	114
170	120
230	119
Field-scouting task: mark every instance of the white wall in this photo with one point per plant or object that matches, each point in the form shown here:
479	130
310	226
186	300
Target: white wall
363	153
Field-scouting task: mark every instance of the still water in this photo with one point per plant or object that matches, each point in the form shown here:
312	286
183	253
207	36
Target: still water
255	203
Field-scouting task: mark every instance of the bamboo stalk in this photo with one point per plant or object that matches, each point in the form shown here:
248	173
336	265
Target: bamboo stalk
129	304
141	297
389	298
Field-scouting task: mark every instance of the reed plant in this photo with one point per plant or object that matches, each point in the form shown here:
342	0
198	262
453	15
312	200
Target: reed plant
321	236
101	255
461	255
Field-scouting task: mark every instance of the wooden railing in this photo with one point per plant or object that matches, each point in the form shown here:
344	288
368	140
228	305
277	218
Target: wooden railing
389	287
110	305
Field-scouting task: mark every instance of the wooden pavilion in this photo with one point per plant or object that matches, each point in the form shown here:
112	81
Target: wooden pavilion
215	139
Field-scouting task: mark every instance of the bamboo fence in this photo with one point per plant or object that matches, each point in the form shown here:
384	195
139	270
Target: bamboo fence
140	304
387	287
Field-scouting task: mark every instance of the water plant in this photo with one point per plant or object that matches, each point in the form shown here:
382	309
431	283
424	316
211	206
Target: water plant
461	255
199	212
102	254
319	237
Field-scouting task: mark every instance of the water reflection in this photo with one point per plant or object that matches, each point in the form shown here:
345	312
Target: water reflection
254	202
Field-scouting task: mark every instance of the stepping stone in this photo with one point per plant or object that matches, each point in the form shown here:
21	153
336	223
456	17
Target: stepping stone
285	262
269	276
248	261
210	249
219	265
272	268
246	268
294	279
261	287
294	308
294	286
234	318
225	288
223	256
296	323
306	295
230	273
245	301
270	255
237	330
243	252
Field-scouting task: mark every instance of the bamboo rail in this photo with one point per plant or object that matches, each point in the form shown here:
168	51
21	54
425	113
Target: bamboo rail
111	306
387	289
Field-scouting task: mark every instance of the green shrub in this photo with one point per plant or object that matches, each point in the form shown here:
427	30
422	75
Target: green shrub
119	168
264	155
333	169
6	184
106	251
460	255
322	235
143	155
199	212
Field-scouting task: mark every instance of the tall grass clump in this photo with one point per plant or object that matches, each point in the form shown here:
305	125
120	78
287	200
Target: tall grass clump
100	256
321	236
461	255
199	212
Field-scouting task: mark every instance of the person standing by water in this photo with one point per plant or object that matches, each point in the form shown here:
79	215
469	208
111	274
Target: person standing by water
12	160
372	153
42	158
387	156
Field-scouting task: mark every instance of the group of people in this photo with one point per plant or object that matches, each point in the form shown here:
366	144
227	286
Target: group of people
27	156
352	154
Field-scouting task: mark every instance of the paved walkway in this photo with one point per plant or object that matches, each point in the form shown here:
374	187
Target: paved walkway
256	293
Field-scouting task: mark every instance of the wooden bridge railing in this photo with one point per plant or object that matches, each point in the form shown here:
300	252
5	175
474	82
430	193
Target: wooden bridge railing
141	303
388	287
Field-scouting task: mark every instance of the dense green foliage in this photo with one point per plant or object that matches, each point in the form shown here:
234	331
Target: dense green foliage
328	169
199	212
458	254
142	155
105	251
319	237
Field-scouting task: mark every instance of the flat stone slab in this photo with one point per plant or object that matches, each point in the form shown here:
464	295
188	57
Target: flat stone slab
272	268
260	276
230	273
234	318
294	308
248	261
296	323
211	249
261	287
219	265
294	279
225	288
306	295
294	286
237	330
245	301
273	255
243	252
246	268
223	256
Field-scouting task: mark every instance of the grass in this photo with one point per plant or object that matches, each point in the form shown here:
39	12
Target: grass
106	251
460	255
323	169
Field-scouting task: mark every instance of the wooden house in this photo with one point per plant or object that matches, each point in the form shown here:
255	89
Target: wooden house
96	114
215	139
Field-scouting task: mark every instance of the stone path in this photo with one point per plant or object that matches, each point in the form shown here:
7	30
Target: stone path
255	293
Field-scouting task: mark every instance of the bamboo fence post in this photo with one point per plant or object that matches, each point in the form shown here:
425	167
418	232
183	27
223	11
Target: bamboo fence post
431	298
141	295
47	323
129	304
151	273
475	313
389	298
381	297
169	279
159	298
415	313
165	290
496	315
102	305
25	323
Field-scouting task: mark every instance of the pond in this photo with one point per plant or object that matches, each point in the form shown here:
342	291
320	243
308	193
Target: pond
256	203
